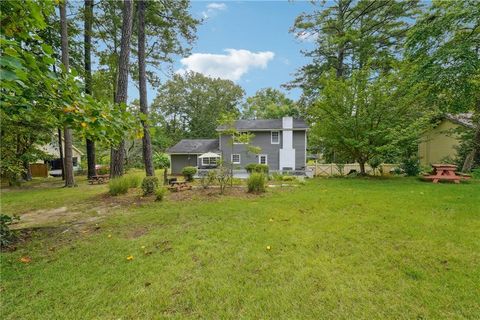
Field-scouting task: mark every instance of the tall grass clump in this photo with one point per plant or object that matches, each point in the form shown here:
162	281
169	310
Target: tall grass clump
256	182
121	185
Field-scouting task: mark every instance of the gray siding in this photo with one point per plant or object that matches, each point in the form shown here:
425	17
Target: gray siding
262	139
180	161
299	146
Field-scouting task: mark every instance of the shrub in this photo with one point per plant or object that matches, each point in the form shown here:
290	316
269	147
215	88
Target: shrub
149	185
411	166
256	167
476	173
207	178
118	186
7	236
160	193
289	178
256	182
189	172
133	181
103	170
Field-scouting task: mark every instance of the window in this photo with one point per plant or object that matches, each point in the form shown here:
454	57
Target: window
75	161
235	158
275	137
209	161
262	159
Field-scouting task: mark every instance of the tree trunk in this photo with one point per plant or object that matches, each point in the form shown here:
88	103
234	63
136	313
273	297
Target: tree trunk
146	140
60	151
118	153
88	79
68	163
362	168
27	173
475	153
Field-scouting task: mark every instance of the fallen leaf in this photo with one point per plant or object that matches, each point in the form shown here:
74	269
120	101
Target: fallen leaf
130	258
25	259
271	220
268	248
109	235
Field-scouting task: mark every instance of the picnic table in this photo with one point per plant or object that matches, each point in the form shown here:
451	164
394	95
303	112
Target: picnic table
445	172
179	186
99	179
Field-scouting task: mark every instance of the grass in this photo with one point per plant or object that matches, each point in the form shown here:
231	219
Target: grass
339	248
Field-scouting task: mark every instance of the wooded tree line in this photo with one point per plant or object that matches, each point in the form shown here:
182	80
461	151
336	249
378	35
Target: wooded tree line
380	71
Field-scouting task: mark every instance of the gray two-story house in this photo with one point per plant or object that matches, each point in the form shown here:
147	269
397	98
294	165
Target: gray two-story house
281	144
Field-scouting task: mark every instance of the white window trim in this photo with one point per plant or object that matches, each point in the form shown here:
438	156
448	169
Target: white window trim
209	163
239	158
271	137
260	157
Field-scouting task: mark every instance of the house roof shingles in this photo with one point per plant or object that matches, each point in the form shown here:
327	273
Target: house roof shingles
195	146
267	124
464	119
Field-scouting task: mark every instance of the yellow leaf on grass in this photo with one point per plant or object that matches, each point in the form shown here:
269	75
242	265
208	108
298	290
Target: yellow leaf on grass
25	259
130	258
268	248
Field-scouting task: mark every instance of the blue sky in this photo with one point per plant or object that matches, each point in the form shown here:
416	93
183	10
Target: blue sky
261	51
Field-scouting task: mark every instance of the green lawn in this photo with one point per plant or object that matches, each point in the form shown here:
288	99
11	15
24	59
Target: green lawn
339	248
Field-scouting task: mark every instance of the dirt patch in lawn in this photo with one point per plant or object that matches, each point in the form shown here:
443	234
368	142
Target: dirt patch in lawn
200	194
137	233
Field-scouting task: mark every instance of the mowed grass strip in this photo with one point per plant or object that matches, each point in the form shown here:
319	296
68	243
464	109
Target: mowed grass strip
337	248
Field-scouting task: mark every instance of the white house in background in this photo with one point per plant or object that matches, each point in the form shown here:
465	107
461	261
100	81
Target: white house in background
283	144
55	165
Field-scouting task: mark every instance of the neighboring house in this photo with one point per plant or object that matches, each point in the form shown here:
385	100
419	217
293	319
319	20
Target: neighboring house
440	143
55	164
282	142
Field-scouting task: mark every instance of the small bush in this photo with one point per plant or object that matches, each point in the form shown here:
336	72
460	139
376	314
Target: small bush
411	166
103	170
121	185
7	236
133	181
289	178
189	172
118	186
160	193
207	178
476	173
256	167
149	185
256	182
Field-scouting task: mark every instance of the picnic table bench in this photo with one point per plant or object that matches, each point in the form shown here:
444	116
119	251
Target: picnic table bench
179	186
445	172
99	179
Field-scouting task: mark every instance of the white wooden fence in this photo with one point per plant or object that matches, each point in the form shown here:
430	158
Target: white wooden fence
332	169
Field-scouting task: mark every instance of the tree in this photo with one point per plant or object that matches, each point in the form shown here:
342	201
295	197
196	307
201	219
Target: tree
269	103
67	131
146	140
118	152
88	20
444	49
363	118
36	100
349	35
188	105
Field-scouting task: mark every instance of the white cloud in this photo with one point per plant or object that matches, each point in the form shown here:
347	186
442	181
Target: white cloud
213	8
231	66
